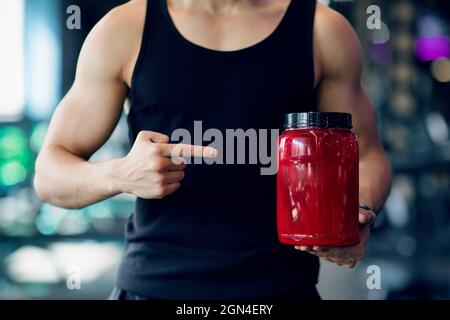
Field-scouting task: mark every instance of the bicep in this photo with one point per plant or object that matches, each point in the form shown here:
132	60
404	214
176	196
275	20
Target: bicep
87	115
339	89
84	121
339	96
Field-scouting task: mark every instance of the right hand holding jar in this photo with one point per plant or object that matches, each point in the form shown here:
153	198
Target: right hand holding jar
317	181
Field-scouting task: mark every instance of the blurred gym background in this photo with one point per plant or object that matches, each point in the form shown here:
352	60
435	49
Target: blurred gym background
407	76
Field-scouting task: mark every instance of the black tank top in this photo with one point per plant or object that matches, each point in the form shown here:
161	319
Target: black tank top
216	237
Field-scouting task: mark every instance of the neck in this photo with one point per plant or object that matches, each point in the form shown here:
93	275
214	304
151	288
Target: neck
212	6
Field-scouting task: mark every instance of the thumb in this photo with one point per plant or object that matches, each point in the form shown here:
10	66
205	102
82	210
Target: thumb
366	217
152	136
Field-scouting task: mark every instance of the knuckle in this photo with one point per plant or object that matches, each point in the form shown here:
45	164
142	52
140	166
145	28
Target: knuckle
157	164
165	138
155	149
159	178
142	136
151	149
164	190
154	166
160	192
177	161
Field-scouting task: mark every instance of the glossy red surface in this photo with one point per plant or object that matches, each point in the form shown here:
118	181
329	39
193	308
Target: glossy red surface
317	187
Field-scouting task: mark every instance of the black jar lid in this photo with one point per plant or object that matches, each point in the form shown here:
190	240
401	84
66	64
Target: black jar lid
338	120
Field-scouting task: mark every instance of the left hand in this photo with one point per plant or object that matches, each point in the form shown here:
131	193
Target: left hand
346	256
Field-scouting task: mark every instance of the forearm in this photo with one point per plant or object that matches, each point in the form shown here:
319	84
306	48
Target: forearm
374	179
66	180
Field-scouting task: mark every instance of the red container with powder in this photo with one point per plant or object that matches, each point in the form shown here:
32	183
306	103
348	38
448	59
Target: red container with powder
317	180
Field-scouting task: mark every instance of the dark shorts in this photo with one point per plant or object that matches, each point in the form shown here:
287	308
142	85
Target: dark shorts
119	294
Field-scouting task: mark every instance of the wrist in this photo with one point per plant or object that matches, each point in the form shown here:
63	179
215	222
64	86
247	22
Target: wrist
112	176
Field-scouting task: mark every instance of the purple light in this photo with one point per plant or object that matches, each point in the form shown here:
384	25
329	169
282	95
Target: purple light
380	53
432	48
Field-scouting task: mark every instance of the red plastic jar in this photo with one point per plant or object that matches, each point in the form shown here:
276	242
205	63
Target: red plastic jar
317	180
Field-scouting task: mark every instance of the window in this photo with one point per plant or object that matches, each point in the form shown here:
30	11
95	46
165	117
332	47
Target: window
12	97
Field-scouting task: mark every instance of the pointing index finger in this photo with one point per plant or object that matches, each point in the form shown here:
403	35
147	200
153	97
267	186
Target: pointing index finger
186	150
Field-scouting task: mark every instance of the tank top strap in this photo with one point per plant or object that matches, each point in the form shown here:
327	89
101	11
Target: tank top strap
298	24
296	36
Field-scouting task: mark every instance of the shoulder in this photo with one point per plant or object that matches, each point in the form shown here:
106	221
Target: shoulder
336	44
126	13
116	38
122	22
